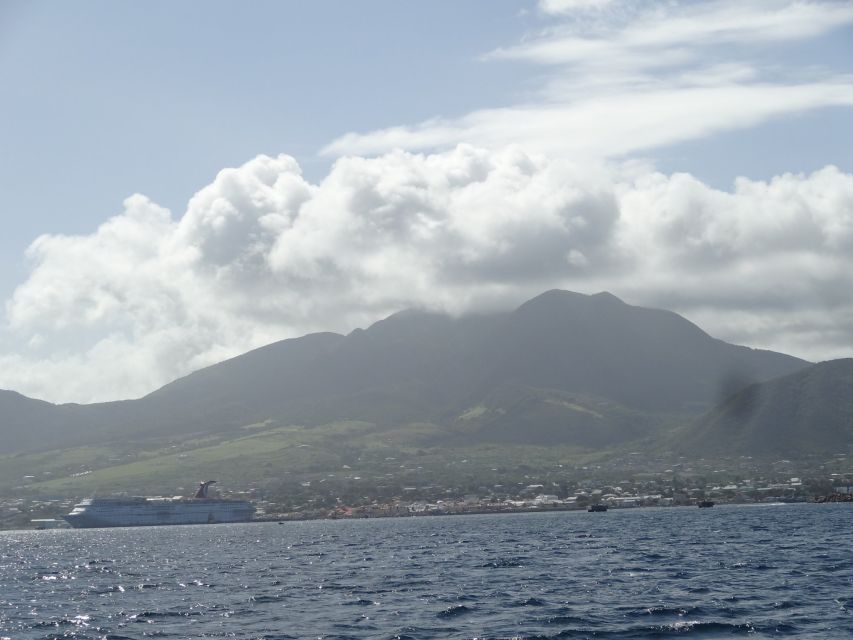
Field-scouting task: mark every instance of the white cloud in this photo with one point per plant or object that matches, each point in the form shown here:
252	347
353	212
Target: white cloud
640	76
636	32
558	7
613	125
261	254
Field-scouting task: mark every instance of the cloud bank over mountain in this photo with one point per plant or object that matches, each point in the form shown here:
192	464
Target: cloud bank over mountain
479	211
262	254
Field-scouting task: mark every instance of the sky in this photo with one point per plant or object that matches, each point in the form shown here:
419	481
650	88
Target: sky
183	182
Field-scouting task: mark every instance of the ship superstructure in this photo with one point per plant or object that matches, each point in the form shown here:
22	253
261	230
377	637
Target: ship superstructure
146	512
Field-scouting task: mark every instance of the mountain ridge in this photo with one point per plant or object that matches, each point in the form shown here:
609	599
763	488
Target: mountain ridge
558	350
810	410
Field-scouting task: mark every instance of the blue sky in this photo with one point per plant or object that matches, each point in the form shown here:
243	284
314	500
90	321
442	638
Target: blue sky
105	99
611	100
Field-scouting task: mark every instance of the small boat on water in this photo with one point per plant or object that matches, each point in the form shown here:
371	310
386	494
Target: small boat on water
705	504
597	508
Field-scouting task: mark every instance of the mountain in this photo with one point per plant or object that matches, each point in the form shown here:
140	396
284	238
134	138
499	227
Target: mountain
810	411
22	416
646	359
28	424
564	366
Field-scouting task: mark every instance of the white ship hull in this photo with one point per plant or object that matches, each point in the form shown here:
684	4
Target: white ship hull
150	512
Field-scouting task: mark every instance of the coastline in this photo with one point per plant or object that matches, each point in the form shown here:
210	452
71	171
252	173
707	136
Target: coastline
281	518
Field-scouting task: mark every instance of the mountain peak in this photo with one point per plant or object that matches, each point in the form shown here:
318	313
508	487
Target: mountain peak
607	296
556	300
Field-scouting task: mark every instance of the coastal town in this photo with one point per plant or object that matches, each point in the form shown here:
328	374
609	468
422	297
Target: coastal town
351	495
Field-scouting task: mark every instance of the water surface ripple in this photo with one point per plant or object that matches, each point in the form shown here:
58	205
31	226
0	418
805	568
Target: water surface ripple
757	571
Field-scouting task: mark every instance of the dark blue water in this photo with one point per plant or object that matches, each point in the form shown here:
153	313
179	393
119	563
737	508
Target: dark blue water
758	571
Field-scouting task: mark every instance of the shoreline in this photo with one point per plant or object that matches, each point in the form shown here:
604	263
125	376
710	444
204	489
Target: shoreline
306	517
471	512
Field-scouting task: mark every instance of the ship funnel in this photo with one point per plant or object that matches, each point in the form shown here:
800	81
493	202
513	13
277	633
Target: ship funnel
202	488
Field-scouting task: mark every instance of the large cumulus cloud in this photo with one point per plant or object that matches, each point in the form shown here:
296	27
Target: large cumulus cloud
262	254
769	264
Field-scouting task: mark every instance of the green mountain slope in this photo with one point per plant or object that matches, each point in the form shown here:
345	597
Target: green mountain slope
513	414
810	411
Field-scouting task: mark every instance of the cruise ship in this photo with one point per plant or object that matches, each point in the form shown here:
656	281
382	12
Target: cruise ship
150	512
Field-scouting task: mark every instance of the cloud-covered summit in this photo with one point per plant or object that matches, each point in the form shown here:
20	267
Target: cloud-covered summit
262	253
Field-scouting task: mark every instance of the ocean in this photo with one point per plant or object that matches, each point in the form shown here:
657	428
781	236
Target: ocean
761	571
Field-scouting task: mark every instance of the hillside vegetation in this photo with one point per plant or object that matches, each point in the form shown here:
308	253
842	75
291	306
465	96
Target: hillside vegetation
810	411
